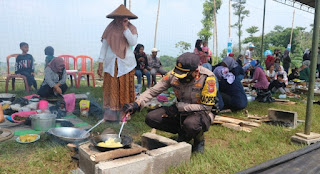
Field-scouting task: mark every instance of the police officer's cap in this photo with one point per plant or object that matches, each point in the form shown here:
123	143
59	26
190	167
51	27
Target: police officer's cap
187	62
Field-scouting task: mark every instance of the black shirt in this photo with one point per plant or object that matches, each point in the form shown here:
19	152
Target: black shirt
276	84
24	63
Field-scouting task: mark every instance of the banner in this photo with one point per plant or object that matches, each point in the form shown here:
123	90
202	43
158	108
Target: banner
229	47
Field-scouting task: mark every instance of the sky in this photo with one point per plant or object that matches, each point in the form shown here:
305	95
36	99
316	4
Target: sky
75	26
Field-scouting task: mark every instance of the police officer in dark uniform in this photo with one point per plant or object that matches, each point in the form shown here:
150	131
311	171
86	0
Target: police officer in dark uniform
191	116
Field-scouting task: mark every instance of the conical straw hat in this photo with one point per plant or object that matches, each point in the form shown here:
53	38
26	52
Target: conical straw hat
122	11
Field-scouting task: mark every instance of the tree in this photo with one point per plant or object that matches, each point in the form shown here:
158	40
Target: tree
252	30
183	46
168	62
279	38
207	21
278	28
240	11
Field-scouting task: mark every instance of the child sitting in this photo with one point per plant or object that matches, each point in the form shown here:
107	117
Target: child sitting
278	85
49	52
24	65
294	74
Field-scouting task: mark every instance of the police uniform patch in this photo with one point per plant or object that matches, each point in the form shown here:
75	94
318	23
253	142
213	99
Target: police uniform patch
211	85
209	92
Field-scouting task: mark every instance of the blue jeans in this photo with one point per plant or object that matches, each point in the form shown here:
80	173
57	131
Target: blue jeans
208	66
140	73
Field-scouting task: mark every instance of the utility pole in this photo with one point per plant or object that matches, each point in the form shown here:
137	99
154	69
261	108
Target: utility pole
313	65
155	32
125	3
292	29
239	27
130	5
213	41
229	18
262	37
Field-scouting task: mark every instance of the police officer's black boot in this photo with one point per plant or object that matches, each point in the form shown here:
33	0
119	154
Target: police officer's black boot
182	136
198	145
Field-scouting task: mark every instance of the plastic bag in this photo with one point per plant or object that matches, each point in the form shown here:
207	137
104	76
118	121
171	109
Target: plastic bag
264	96
70	100
84	107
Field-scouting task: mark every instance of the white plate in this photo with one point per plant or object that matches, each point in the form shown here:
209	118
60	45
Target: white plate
18	139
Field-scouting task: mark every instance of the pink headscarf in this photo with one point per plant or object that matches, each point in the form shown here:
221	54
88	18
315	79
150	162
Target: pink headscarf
57	65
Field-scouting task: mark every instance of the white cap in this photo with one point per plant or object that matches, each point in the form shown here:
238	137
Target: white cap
154	50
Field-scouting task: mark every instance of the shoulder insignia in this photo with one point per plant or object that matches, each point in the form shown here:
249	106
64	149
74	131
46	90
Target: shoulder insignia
166	77
209	91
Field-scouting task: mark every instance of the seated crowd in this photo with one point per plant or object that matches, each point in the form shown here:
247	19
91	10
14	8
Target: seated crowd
229	73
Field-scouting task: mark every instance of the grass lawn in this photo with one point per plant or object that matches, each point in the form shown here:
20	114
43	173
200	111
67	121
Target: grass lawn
227	151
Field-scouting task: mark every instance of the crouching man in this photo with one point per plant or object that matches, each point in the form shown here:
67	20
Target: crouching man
195	89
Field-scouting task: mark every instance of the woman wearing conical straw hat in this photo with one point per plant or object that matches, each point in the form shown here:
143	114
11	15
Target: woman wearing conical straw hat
117	62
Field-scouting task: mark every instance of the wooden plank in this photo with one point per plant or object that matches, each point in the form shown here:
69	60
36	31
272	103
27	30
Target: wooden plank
232	126
257	117
236	127
250	124
218	122
236	121
288	102
104	156
281	100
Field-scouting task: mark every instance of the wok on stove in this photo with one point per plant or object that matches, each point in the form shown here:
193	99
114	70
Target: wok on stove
125	141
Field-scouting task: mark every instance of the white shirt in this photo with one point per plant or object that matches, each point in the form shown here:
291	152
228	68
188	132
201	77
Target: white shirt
271	75
108	57
248	53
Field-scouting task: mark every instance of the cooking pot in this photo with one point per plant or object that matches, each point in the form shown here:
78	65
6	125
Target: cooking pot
43	122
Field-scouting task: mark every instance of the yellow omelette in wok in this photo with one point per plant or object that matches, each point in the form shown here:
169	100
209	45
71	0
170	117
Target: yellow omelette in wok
110	143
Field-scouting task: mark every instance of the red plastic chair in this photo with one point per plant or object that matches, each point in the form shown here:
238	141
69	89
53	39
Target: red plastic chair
83	71
14	76
66	59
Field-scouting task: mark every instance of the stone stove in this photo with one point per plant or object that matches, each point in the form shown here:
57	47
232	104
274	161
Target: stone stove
155	155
